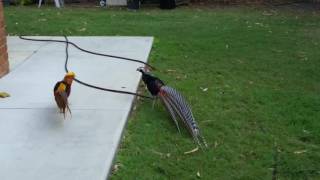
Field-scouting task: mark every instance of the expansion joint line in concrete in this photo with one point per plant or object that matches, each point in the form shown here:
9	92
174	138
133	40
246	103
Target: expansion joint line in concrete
29	56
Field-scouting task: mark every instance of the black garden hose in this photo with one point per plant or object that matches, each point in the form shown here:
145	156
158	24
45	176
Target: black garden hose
67	42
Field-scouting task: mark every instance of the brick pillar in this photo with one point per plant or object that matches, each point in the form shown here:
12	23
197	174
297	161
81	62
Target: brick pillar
4	64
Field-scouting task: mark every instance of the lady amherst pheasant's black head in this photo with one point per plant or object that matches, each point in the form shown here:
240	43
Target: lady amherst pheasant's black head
153	83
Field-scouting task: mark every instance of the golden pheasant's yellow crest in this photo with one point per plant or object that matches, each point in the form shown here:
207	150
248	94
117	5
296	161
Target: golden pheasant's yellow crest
70	74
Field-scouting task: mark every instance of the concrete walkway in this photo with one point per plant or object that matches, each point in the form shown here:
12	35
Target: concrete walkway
36	143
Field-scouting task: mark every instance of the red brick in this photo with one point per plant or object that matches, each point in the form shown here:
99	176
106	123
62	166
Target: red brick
2	33
1	23
3	49
1	12
4	64
2	45
2	57
6	57
3	40
4	68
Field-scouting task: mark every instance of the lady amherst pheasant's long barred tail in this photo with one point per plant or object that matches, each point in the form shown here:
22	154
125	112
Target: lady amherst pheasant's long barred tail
178	107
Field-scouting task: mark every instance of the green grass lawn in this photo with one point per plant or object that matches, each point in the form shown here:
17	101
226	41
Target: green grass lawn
262	70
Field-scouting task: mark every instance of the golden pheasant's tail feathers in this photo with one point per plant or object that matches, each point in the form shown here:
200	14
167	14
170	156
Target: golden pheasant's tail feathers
62	102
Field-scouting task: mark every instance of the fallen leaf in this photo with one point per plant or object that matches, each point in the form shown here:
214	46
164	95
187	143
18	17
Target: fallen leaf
306	131
116	167
206	121
4	95
267	14
134	108
156	152
192	151
198	174
300	151
171	70
82	29
216	144
204	89
240	61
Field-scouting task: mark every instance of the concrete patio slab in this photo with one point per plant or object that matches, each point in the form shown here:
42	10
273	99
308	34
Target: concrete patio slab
36	143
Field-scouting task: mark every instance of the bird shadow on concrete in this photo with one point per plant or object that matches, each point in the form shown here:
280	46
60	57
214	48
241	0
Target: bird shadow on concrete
51	118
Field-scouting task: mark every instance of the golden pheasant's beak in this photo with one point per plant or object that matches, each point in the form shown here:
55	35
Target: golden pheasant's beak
68	79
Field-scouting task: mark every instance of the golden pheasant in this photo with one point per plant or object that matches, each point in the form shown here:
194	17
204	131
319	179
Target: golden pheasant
62	91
